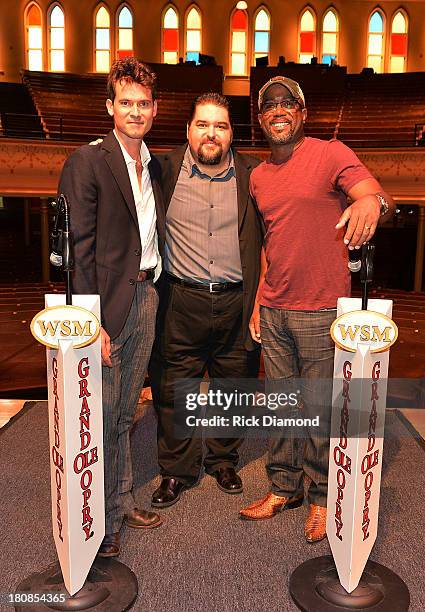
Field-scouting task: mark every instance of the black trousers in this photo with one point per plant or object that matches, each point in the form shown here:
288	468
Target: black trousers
198	332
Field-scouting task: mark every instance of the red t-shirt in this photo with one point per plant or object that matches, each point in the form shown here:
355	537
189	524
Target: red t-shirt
301	201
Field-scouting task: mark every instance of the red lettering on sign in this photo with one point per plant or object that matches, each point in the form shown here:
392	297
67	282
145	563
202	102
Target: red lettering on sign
341	459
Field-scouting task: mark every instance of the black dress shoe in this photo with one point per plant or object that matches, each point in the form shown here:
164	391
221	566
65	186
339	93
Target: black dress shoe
110	546
227	480
168	492
142	519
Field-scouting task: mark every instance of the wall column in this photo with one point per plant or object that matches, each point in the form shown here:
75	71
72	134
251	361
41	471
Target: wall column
27	206
420	246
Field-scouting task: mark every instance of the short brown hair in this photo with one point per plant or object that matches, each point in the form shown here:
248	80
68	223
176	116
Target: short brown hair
130	70
214	98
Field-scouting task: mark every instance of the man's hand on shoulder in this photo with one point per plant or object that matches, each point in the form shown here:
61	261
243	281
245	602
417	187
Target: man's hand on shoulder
105	348
96	142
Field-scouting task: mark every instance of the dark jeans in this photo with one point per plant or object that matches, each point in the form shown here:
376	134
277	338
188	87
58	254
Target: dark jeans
199	332
297	343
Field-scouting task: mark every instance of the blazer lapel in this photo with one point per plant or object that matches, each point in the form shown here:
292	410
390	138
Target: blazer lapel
172	163
242	184
115	160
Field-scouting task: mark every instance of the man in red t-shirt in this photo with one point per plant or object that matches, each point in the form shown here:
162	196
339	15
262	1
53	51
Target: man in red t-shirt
301	192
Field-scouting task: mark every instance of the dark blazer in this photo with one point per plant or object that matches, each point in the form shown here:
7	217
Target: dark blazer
250	233
105	228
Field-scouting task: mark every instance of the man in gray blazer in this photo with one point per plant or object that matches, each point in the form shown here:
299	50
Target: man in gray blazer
118	223
212	266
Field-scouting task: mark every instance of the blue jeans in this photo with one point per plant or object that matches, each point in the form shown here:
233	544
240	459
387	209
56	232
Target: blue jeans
297	343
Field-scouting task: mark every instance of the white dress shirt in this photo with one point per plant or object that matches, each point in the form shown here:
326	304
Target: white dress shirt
145	208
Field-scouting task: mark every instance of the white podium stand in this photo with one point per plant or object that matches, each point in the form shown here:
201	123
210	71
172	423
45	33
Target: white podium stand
349	581
80	581
74	378
356	445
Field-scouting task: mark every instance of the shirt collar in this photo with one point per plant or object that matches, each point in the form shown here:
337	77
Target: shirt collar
144	153
191	167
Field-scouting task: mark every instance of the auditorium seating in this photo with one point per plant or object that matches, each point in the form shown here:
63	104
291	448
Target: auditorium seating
241	115
72	107
18	115
381	110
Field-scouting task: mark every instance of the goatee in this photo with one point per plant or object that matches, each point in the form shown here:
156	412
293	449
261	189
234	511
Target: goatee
210	159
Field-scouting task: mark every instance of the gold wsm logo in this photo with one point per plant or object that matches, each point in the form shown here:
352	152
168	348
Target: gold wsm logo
65	323
366	327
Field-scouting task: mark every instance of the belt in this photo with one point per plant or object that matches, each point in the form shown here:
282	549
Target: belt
210	287
145	275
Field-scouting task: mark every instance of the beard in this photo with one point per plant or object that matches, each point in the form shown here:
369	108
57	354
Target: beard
210	158
278	139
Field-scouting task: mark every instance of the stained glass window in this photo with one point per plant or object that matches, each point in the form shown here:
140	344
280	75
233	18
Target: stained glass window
193	35
170	36
330	37
34	31
262	34
307	37
375	45
56	39
125	33
238	42
102	40
398	50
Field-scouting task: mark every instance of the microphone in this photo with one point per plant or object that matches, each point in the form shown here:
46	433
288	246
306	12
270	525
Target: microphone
354	260
63	244
56	236
62	255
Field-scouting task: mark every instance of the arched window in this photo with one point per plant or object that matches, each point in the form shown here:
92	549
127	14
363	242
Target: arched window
170	36
239	39
34	37
398	51
262	34
102	40
375	43
307	36
330	37
56	39
193	35
125	32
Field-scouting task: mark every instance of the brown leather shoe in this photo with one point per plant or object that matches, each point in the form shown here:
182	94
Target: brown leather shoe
315	525
227	480
110	546
269	506
142	519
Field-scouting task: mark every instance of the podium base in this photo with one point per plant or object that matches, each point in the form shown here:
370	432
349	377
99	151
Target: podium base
314	586
110	585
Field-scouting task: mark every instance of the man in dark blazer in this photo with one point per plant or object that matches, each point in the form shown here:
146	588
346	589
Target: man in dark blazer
118	223
212	265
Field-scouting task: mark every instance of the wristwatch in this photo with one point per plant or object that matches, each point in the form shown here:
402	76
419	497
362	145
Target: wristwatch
385	207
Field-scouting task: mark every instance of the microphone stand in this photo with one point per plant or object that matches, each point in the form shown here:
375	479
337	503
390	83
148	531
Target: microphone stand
366	271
